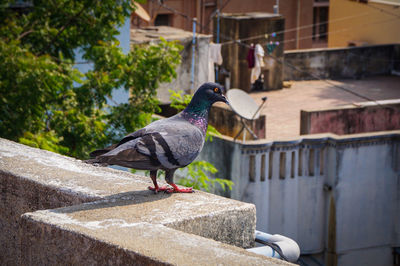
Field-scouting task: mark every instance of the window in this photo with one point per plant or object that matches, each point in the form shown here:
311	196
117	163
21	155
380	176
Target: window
320	19
163	20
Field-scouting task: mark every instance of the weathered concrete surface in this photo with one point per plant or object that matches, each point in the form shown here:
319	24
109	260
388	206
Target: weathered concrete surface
54	237
338	63
352	119
117	204
282	109
334	195
228	123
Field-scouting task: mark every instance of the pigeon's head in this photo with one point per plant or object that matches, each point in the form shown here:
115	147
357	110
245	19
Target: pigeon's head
210	93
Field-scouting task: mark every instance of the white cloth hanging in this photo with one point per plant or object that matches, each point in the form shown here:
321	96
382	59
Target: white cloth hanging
214	57
258	64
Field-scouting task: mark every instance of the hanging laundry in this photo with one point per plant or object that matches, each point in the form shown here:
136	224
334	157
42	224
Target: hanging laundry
250	56
271	47
259	54
214	57
258	63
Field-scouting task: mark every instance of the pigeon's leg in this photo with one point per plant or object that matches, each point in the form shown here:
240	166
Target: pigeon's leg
169	177
156	188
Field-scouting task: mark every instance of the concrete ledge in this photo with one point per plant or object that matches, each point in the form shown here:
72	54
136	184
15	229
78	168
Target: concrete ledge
119	222
59	238
366	117
343	62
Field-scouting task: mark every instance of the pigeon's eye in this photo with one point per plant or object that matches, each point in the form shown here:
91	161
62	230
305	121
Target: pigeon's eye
216	89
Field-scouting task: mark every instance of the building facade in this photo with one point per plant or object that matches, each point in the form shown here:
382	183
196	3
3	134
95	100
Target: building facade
356	23
300	15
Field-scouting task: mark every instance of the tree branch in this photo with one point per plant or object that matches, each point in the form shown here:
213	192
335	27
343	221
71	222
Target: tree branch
24	34
62	30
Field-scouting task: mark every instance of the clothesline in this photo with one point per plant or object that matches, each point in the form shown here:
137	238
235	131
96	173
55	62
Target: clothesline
263	35
315	76
241	41
294	29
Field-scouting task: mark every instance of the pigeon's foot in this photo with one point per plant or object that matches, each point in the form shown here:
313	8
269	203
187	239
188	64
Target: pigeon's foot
173	189
157	189
176	189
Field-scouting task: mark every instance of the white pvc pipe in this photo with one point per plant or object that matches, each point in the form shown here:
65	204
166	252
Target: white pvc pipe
266	251
289	247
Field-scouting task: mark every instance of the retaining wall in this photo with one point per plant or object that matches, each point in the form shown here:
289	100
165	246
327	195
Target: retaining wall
334	195
109	217
365	117
339	63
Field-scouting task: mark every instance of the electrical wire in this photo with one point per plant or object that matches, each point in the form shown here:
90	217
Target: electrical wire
334	32
278	32
215	12
170	9
382	10
324	80
317	77
240	42
304	26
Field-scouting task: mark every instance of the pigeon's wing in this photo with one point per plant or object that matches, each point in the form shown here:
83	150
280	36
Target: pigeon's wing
125	139
168	143
128	155
152	127
175	143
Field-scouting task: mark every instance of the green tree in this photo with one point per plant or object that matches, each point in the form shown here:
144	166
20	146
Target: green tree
46	102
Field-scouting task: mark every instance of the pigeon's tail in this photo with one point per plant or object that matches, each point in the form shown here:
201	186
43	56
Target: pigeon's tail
96	162
96	153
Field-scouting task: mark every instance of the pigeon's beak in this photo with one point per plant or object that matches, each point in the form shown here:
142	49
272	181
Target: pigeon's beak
223	99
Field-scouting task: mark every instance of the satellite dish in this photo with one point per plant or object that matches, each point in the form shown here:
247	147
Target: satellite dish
141	12
245	107
242	104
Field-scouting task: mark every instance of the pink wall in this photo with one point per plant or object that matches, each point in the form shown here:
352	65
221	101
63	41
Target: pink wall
351	120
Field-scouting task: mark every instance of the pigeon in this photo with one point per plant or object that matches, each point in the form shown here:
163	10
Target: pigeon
166	144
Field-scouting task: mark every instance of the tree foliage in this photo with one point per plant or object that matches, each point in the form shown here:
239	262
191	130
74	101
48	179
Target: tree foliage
46	102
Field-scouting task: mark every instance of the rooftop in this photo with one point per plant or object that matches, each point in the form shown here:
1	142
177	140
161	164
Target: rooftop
283	106
153	33
250	15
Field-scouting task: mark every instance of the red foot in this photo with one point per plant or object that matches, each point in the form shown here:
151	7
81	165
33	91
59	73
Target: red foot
176	189
157	189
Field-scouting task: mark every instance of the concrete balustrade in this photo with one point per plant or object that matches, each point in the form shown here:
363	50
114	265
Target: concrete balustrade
58	210
333	195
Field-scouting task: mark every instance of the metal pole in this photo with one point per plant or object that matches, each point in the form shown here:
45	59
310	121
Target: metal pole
193	54
216	68
277	6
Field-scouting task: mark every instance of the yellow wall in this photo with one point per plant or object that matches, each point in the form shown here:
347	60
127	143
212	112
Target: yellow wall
366	25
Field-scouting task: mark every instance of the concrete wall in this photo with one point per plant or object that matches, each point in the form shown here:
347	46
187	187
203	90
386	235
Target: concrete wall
338	63
351	119
360	23
182	82
296	14
334	195
109	217
228	123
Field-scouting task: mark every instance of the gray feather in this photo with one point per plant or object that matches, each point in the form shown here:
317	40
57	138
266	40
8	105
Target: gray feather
168	144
